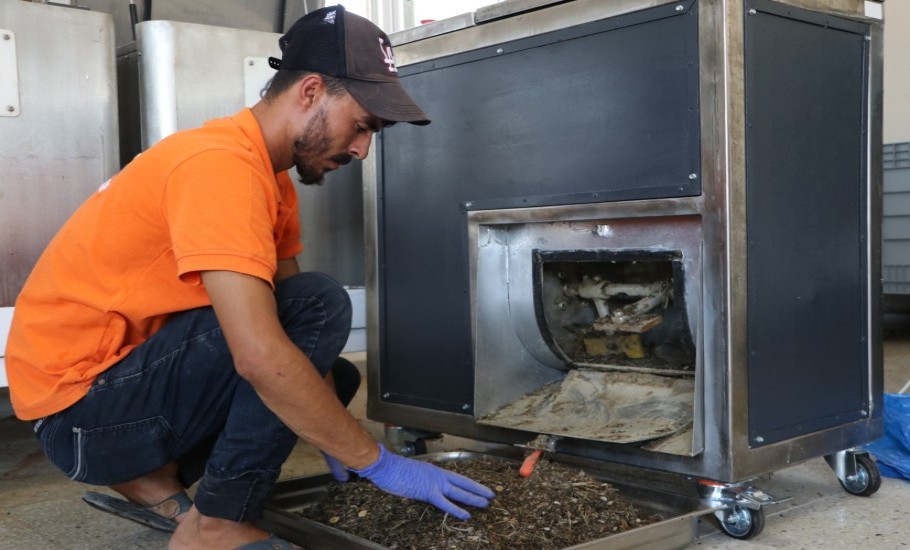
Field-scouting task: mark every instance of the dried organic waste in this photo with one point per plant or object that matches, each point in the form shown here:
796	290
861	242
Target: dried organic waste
556	507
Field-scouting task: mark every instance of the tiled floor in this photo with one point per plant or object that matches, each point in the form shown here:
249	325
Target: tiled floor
41	509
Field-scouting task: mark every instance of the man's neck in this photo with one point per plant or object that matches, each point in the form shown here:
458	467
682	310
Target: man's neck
274	128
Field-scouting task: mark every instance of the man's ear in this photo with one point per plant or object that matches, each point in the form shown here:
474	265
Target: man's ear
309	90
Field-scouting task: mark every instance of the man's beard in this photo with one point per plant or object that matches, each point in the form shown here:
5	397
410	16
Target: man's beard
311	146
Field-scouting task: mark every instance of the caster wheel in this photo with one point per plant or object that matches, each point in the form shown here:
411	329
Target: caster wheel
867	479
742	523
414	448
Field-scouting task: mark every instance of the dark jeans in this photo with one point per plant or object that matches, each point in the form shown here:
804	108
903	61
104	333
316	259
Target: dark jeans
178	398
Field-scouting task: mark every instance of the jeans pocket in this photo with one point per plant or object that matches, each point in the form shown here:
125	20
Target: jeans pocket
46	433
121	452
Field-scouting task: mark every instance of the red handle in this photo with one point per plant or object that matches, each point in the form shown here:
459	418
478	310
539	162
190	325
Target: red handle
528	465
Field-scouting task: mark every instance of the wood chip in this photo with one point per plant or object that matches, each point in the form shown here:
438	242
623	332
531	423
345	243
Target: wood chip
556	507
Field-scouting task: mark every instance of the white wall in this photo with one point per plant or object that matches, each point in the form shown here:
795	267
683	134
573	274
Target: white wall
6	317
897	72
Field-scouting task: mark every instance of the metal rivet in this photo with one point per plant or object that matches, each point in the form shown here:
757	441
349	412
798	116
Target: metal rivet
465	407
759	439
6	36
386	395
10	108
868	38
752	12
693	176
679	8
250	62
498	50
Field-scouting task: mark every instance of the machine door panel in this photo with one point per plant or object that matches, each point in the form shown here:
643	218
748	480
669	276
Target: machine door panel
807	222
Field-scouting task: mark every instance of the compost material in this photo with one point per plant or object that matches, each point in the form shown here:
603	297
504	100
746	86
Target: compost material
620	407
555	507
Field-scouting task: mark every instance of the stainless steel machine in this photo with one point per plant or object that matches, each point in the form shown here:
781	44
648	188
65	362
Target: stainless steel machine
641	233
643	236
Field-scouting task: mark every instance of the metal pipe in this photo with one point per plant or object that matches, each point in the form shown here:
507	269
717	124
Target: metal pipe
134	17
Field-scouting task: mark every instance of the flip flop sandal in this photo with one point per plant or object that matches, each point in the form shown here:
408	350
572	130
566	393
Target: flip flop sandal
160	516
271	543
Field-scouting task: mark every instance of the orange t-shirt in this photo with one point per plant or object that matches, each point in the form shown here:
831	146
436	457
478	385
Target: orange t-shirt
202	199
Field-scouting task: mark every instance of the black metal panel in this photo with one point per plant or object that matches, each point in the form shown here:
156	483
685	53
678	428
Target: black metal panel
603	111
806	212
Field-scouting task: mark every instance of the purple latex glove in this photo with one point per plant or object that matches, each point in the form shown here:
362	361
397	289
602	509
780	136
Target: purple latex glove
420	480
339	472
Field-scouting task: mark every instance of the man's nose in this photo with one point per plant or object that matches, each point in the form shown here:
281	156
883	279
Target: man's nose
360	147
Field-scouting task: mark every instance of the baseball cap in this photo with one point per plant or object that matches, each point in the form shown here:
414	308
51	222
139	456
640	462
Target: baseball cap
344	45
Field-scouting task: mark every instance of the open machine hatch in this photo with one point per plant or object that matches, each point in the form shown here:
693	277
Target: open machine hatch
603	347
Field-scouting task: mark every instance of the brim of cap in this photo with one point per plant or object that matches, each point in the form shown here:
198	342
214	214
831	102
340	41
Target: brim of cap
386	100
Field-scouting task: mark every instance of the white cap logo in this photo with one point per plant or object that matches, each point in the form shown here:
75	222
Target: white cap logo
387	56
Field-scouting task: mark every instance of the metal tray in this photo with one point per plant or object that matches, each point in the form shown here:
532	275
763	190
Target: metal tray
678	530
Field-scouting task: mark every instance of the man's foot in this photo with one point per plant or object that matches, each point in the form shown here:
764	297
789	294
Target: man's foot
197	531
155	491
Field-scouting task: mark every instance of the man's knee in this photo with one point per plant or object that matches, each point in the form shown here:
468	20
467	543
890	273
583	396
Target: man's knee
315	311
316	290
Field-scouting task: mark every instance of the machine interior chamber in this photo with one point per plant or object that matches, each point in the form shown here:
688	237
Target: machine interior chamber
596	339
621	310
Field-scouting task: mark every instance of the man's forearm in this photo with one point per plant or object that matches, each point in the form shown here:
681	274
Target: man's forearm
315	414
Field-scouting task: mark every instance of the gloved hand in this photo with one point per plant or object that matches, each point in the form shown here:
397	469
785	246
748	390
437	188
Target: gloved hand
339	472
419	480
